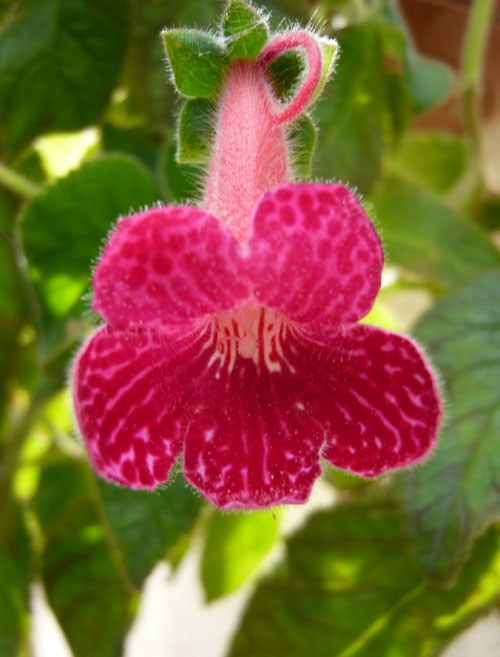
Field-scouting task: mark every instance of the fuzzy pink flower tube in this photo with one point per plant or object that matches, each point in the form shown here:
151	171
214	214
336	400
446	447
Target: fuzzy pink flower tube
231	335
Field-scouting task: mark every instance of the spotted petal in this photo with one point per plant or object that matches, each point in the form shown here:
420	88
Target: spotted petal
128	392
167	265
315	255
377	397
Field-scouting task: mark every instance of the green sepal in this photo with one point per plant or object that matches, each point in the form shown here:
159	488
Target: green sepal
286	70
198	62
245	30
303	135
195	131
329	54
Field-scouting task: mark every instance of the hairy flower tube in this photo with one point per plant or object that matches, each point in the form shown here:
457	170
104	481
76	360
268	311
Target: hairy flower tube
231	335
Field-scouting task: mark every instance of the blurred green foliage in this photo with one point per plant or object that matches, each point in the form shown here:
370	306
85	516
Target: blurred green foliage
88	127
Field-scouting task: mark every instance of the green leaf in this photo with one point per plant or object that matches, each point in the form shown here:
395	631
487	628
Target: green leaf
145	525
451	499
198	62
354	119
348	588
59	63
488	215
180	182
135	143
64	228
195	132
235	546
303	136
430	82
13	598
245	30
83	584
434	160
430	239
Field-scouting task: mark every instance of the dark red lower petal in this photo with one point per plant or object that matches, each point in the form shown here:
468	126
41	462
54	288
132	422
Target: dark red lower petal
128	389
378	397
250	442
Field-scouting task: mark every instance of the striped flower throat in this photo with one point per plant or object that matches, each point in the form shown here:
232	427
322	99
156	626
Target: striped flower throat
251	332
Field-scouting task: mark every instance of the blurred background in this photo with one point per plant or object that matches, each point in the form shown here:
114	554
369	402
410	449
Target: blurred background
398	567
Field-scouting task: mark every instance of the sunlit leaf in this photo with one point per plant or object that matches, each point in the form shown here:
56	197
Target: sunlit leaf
348	588
235	545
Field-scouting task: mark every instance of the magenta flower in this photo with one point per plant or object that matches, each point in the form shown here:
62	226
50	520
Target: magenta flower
231	333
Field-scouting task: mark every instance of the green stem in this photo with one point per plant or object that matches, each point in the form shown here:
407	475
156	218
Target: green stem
471	75
10	456
17	183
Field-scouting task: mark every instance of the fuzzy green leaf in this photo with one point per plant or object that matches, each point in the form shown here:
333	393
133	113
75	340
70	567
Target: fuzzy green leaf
245	30
164	516
452	498
198	62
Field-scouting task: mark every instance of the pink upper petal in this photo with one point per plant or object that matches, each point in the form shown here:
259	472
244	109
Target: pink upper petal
250	442
377	396
166	265
315	255
128	393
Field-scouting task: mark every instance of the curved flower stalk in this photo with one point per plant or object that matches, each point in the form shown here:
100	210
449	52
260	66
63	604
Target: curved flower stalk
231	335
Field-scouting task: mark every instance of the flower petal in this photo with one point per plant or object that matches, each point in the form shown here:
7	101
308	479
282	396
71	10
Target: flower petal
378	397
166	265
128	392
250	443
315	255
